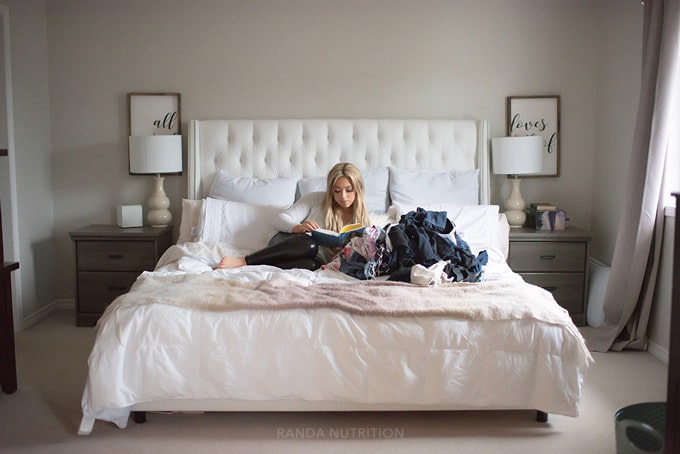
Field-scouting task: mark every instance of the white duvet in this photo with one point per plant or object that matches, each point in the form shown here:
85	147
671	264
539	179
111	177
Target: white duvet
159	352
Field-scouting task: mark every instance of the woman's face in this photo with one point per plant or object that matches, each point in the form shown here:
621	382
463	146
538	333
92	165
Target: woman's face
343	192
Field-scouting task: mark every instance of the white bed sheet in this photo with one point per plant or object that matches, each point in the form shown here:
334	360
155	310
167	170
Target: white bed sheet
165	353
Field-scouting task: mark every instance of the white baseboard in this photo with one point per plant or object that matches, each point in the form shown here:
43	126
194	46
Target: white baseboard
658	352
42	313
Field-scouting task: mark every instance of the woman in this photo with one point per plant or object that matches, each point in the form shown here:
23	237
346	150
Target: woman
341	204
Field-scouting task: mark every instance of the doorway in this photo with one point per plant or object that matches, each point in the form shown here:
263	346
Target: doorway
8	193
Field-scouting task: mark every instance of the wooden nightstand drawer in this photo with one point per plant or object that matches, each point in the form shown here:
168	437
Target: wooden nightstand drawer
567	288
96	290
551	256
115	255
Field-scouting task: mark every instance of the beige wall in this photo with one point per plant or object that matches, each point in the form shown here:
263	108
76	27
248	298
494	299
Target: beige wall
310	58
30	114
322	58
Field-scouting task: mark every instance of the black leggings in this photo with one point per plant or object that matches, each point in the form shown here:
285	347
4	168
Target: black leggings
287	251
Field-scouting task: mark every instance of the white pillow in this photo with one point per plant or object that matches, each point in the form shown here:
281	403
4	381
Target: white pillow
410	187
312	184
478	225
243	226
188	227
256	191
377	195
375	184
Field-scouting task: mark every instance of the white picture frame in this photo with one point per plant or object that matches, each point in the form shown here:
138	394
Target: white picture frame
537	116
154	114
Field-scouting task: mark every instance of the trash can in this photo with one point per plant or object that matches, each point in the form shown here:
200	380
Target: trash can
640	428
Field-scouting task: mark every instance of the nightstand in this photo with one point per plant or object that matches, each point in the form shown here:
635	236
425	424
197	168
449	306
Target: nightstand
108	260
556	261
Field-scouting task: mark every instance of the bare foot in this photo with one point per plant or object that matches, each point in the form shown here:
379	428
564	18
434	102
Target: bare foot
231	262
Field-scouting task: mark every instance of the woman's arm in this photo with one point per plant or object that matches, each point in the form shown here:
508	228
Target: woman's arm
305	214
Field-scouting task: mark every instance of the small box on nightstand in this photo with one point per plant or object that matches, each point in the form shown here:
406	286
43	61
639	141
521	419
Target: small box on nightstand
130	216
549	220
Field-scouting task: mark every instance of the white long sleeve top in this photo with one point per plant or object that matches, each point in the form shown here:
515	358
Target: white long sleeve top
309	206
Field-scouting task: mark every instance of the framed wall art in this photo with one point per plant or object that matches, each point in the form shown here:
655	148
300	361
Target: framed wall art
537	116
154	114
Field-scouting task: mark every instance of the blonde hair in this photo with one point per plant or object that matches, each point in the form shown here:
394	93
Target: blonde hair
333	211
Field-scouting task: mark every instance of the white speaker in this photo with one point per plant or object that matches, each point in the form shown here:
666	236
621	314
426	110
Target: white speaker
130	216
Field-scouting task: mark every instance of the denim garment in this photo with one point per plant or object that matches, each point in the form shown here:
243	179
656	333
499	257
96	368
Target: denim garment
427	246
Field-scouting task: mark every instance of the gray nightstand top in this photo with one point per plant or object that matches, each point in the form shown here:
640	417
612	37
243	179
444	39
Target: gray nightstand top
569	234
113	231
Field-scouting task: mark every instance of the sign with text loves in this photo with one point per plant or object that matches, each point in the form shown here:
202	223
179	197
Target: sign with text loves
537	116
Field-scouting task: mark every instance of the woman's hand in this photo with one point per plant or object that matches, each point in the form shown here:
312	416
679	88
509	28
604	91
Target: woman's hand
305	226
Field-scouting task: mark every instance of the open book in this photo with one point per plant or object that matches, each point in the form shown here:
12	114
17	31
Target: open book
330	238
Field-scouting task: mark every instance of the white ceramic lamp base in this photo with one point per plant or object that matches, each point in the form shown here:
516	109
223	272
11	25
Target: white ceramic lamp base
158	215
514	206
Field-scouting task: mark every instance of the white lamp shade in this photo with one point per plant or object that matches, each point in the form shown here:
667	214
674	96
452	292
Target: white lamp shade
155	154
518	155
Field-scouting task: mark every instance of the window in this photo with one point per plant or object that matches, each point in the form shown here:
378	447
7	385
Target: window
672	168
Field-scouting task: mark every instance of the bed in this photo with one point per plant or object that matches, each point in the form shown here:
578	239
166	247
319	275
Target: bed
297	340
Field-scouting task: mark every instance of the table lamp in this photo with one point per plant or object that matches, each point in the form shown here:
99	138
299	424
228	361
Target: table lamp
515	156
156	154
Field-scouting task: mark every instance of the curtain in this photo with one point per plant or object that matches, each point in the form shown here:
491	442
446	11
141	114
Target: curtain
632	278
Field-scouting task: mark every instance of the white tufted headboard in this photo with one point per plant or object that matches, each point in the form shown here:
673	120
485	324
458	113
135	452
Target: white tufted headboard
309	148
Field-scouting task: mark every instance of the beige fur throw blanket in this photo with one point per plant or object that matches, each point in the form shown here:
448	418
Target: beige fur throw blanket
494	300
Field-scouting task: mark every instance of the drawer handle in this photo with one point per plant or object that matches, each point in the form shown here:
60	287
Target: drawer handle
547	257
550	289
116	256
116	288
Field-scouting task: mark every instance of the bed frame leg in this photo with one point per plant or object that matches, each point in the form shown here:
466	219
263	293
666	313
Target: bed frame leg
541	416
139	417
86	425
